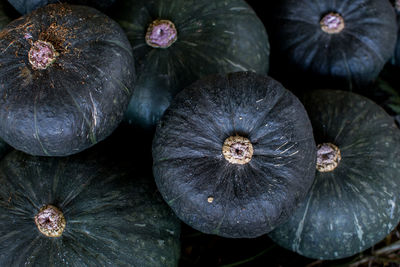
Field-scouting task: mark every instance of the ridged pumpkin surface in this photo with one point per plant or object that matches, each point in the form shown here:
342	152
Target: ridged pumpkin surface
212	37
352	57
210	193
357	204
76	101
114	215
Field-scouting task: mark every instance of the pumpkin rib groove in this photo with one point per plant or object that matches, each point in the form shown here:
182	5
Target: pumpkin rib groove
349	73
278	99
347	13
298	234
215	124
309	57
301	40
26	249
78	108
295	20
368	45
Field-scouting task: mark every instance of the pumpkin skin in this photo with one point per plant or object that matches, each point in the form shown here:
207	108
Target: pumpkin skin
357	204
114	215
350	59
76	101
213	37
27	6
213	195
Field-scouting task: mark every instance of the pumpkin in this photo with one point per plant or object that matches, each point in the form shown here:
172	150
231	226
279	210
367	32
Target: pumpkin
94	208
27	6
66	78
344	44
354	200
234	154
175	42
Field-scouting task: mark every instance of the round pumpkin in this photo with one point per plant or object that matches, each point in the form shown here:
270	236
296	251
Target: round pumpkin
175	42
354	200
27	6
342	43
234	154
89	209
66	78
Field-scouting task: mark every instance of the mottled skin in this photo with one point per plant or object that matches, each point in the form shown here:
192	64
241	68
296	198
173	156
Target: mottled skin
213	37
213	195
81	97
114	215
357	204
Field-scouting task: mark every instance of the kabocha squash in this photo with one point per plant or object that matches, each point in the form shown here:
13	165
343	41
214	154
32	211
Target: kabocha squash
66	78
342	43
233	155
27	6
354	201
175	42
83	210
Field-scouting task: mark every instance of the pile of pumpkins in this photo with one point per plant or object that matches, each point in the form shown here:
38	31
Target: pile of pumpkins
235	153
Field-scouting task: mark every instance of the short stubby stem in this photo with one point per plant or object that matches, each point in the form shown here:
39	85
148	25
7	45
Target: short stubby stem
237	150
328	157
50	221
332	23
161	34
42	54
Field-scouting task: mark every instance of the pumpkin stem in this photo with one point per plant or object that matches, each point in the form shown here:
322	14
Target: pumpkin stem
50	221
42	54
161	34
332	23
328	157
237	150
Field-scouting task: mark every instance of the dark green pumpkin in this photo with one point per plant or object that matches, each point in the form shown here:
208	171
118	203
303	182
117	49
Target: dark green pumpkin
76	101
114	215
212	37
205	189
347	58
356	205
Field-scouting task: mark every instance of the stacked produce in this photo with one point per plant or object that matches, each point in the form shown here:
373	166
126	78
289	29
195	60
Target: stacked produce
125	122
